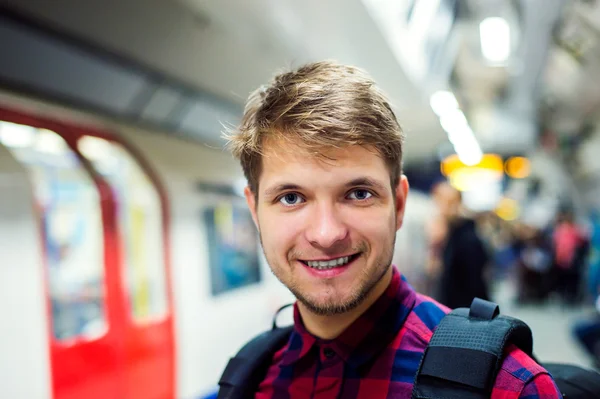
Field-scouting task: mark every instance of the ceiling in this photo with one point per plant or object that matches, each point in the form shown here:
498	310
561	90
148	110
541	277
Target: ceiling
230	47
501	100
570	94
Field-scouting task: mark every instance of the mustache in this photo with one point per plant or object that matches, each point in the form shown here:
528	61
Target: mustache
295	254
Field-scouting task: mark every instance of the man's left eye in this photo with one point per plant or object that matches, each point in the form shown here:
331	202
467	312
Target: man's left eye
360	195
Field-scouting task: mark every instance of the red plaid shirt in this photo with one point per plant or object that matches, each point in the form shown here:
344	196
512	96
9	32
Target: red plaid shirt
378	356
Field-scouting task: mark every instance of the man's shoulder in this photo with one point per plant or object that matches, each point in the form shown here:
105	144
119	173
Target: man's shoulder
520	365
523	376
519	374
425	316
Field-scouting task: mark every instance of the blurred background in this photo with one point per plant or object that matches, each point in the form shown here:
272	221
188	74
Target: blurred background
129	264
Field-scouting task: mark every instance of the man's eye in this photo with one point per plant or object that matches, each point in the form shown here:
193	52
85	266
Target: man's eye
360	195
291	199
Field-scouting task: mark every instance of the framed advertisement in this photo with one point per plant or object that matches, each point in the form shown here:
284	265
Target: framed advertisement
232	240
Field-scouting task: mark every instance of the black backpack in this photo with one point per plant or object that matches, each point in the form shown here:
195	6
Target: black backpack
461	361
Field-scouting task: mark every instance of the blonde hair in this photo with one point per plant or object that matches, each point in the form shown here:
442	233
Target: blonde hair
318	106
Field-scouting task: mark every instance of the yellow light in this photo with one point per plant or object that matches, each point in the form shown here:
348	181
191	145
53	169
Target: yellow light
450	164
472	178
507	209
461	181
453	164
517	167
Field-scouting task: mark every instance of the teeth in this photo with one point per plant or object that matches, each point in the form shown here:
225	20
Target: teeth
323	265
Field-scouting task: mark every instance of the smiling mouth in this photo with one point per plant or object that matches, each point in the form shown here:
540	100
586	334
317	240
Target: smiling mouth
330	264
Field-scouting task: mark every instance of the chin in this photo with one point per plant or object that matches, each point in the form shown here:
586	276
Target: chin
327	305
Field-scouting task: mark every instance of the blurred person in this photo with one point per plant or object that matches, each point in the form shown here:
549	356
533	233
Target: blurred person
464	255
534	265
501	237
322	151
593	260
587	332
570	252
436	230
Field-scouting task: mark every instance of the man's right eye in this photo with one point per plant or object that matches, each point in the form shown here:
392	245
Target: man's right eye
291	199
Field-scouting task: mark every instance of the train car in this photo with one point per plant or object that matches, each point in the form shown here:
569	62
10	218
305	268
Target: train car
105	252
113	240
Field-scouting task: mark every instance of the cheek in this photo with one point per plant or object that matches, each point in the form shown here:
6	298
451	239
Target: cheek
376	228
279	233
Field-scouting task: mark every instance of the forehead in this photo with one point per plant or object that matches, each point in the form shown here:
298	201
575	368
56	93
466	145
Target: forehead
284	160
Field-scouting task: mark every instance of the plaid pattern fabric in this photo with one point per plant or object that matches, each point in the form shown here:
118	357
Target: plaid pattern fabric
378	356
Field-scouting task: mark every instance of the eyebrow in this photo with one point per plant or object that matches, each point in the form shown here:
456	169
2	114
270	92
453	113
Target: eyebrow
360	181
281	187
366	182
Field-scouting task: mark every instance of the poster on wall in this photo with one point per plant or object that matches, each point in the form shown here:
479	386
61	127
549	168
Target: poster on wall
232	246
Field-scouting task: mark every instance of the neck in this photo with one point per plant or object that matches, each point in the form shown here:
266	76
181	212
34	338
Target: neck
331	326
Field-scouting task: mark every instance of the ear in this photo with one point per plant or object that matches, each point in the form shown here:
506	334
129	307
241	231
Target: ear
251	201
401	194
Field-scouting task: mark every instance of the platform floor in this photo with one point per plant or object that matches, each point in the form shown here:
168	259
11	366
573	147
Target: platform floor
551	324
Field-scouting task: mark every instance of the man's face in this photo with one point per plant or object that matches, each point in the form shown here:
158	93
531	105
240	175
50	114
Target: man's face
327	227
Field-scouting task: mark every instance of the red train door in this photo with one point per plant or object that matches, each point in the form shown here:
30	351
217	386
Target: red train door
140	217
86	348
103	218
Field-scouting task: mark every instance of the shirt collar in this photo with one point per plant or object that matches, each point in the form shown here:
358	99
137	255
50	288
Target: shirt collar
368	335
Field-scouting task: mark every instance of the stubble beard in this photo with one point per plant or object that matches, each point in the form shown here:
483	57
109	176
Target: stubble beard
366	282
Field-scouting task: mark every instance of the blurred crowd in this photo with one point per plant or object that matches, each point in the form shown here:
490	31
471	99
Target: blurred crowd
560	262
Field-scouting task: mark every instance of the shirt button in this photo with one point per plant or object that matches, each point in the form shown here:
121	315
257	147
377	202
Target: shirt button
328	353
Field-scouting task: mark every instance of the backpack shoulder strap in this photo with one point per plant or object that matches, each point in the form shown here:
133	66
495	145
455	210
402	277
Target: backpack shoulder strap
244	372
247	369
466	352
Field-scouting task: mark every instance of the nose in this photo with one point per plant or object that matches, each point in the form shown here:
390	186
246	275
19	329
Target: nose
326	227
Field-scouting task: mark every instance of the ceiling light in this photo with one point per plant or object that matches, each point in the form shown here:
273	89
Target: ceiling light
495	39
16	136
50	142
442	102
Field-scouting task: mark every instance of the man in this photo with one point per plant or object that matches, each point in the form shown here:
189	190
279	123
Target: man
464	257
321	150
